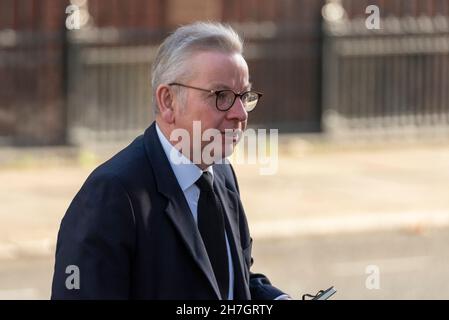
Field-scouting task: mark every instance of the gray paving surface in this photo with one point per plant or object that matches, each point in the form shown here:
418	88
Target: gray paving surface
325	215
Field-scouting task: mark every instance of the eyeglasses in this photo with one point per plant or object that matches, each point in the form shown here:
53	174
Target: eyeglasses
225	98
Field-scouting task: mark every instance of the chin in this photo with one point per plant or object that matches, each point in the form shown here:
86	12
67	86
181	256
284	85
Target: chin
228	149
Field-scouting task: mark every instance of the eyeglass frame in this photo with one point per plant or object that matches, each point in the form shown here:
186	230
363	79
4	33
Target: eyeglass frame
217	92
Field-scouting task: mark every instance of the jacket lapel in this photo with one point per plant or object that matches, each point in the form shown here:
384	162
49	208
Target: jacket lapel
229	201
177	208
179	213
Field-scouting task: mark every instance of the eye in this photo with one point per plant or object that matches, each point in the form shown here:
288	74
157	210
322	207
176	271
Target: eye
225	95
221	94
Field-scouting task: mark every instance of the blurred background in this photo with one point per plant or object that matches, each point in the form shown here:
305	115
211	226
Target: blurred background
360	199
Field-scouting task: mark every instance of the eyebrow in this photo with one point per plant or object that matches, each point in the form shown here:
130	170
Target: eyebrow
221	86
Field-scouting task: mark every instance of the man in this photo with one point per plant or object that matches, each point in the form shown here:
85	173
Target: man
158	221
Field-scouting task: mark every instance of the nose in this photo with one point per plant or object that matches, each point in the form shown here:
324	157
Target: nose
237	111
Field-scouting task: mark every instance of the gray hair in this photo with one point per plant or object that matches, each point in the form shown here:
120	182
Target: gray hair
169	64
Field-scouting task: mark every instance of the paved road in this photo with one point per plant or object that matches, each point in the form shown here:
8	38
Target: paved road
379	204
312	190
411	264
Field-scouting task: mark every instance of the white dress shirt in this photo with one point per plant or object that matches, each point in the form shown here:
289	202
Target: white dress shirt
187	173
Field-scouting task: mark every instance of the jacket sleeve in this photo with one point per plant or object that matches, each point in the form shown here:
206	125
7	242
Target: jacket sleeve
260	286
95	243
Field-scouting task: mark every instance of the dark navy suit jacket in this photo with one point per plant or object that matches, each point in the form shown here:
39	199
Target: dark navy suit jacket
130	232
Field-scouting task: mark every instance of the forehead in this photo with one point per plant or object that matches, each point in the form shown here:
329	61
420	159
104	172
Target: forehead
218	67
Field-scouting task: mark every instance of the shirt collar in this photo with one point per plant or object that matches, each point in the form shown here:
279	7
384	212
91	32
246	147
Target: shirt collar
186	172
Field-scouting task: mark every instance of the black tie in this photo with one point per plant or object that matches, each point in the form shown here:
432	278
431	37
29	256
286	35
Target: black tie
212	230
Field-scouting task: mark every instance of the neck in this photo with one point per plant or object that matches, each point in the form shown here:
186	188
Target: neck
166	131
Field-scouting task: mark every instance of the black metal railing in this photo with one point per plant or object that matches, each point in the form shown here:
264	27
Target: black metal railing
392	78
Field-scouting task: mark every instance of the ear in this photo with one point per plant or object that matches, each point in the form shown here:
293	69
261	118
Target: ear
164	98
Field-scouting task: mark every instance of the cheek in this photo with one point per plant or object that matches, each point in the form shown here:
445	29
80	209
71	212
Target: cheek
211	119
181	112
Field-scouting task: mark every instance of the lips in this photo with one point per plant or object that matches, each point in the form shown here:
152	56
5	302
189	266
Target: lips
232	134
